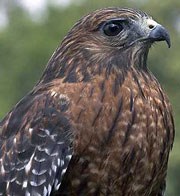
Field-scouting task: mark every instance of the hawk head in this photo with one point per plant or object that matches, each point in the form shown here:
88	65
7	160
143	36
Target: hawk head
111	38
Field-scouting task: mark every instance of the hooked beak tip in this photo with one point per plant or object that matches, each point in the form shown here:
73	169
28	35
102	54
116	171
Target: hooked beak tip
159	33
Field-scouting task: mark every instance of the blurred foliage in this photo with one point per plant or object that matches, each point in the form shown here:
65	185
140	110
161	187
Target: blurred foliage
26	46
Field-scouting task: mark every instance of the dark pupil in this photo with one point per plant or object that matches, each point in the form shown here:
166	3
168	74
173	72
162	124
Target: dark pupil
112	29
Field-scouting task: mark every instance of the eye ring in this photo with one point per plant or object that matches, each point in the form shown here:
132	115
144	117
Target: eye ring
112	28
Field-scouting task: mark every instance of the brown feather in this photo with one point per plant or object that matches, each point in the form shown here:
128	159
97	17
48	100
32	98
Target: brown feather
98	122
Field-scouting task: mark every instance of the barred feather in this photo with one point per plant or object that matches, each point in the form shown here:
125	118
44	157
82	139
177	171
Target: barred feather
98	122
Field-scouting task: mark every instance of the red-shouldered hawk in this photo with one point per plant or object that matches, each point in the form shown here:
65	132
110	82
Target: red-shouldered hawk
97	122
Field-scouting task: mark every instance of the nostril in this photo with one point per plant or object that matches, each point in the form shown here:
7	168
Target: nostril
151	26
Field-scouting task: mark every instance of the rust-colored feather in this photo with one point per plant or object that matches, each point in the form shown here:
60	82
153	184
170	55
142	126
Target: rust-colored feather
98	122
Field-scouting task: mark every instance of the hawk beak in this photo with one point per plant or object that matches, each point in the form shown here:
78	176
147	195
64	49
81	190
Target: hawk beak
159	33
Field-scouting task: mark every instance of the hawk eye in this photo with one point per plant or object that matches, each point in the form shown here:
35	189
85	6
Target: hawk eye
112	28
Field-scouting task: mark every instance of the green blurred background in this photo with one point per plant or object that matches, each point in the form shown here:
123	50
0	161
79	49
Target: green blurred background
28	38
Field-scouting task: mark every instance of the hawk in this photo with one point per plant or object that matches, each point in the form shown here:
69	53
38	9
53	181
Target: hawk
97	122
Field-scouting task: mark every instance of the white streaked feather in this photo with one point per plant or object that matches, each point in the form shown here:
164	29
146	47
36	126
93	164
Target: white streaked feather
48	152
47	131
40	148
30	130
45	191
27	193
58	161
38	173
20	168
7	185
25	184
62	163
60	142
15	140
68	157
63	171
2	169
54	168
49	188
57	184
39	183
42	159
29	164
53	93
